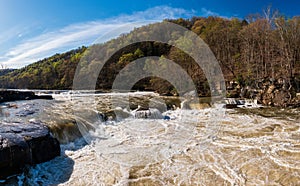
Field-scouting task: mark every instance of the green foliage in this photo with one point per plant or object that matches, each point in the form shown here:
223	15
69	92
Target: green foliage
55	72
138	53
246	51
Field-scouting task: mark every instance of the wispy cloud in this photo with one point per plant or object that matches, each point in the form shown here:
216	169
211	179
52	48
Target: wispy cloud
206	13
75	35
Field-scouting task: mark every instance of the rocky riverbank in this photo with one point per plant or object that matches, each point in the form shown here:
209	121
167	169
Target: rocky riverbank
24	144
268	92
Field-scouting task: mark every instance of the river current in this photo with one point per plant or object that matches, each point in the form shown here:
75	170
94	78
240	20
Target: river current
125	145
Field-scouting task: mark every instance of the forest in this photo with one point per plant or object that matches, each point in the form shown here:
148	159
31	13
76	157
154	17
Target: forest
259	47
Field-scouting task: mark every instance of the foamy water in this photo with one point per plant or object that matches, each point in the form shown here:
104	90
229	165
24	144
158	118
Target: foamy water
192	148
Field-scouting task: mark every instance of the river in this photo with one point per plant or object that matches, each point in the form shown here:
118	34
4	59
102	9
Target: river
163	146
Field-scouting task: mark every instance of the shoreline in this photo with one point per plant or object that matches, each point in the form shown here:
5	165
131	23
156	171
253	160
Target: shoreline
8	95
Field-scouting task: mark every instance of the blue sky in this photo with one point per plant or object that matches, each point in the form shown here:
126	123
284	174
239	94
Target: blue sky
34	29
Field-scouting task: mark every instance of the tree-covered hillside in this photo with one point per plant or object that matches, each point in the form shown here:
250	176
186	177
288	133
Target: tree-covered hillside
248	51
55	72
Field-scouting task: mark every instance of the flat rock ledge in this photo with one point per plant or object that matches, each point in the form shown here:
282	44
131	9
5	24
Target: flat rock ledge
24	144
13	95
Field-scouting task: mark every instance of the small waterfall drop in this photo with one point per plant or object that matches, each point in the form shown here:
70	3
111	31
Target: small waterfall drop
151	113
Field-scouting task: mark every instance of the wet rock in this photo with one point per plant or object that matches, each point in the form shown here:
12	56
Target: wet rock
151	113
11	95
25	113
24	144
230	106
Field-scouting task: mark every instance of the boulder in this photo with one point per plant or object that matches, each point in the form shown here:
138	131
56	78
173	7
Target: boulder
278	93
24	144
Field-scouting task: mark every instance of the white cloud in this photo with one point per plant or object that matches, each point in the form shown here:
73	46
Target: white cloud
75	35
206	13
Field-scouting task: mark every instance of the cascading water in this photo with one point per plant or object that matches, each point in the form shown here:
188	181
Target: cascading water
186	150
151	113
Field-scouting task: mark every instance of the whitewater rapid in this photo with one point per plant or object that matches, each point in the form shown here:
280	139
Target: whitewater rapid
188	149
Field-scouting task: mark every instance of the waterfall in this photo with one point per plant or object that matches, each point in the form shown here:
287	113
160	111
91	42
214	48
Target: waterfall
151	113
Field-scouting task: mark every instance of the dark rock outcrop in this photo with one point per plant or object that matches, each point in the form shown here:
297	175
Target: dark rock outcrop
11	95
280	92
25	144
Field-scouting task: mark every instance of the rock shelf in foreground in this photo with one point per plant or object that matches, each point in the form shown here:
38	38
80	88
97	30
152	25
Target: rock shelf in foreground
12	95
24	144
